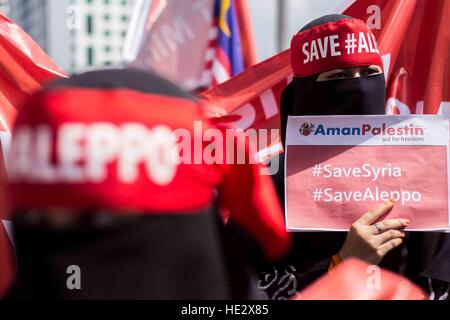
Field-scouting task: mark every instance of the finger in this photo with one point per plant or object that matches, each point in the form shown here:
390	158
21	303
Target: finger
373	215
389	235
391	224
388	246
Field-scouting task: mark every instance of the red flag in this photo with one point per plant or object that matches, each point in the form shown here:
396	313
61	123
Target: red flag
24	67
251	100
357	280
414	38
6	260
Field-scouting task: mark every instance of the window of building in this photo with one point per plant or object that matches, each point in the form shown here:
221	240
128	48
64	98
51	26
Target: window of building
90	56
89	24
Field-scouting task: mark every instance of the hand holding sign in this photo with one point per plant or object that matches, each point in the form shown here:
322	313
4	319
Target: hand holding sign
371	242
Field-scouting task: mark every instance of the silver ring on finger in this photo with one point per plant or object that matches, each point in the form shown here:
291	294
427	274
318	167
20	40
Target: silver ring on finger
379	231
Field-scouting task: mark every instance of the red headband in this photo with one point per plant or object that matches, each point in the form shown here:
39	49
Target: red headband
342	44
85	148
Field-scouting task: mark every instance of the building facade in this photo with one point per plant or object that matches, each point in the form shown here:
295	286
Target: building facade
5	7
77	34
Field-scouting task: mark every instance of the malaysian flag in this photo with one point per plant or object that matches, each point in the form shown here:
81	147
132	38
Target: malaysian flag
224	55
194	53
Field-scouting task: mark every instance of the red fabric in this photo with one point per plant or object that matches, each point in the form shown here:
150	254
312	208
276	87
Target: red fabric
342	44
357	280
250	100
248	196
248	85
24	67
420	72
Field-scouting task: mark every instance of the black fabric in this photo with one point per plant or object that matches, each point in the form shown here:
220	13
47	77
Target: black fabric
149	257
128	78
243	258
324	19
358	96
430	253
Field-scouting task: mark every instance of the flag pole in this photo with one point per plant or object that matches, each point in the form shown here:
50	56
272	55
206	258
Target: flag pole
281	25
136	30
247	38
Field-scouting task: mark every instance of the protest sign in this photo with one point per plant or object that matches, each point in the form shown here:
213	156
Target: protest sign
339	167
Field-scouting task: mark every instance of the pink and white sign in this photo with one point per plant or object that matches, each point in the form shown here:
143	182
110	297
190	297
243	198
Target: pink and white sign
339	167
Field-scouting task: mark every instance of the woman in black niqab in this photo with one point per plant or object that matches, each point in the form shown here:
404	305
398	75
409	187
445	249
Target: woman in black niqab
423	257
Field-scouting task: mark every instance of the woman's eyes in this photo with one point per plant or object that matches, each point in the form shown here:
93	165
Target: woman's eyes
363	73
370	71
338	75
349	74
